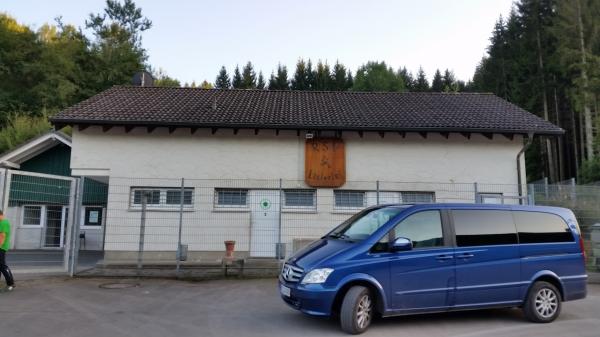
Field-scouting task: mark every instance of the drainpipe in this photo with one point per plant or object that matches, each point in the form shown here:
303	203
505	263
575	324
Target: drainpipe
523	149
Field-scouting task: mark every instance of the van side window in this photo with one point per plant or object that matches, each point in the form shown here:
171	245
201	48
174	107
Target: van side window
484	227
538	227
424	229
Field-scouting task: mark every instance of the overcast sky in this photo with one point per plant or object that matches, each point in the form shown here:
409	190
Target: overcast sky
190	40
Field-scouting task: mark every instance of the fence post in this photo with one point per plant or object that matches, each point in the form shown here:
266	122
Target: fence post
573	189
179	250
546	194
531	194
377	186
142	229
75	206
278	251
476	191
6	194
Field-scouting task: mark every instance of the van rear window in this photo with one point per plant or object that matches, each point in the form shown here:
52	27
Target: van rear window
484	227
538	227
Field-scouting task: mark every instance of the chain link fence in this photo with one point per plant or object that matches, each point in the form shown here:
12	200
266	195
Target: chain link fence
182	225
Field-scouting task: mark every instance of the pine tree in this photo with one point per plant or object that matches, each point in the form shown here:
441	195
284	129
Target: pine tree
261	81
339	77
248	76
279	81
408	78
349	81
449	82
236	82
222	81
322	77
310	75
206	85
437	85
421	82
301	75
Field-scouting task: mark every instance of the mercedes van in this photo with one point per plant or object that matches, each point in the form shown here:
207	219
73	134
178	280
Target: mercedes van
407	259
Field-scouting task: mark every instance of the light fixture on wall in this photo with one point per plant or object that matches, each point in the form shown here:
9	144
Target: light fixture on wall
309	135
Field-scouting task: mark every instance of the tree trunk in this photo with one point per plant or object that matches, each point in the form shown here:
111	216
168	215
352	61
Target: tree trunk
549	152
561	151
587	113
575	146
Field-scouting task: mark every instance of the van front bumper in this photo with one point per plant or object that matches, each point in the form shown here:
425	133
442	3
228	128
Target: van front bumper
311	299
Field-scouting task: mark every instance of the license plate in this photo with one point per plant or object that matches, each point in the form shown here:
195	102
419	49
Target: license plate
285	291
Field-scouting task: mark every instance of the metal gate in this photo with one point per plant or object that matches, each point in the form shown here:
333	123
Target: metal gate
40	208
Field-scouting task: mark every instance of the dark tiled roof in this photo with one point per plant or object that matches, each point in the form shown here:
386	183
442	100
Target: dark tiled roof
305	110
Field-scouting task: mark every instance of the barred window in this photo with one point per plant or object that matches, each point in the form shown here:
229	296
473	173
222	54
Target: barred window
349	199
32	215
299	198
174	196
231	197
162	197
417	197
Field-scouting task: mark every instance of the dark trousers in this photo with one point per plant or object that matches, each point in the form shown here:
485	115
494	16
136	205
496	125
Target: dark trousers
5	270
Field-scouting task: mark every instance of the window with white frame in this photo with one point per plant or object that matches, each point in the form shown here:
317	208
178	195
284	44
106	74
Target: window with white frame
229	197
162	197
299	199
349	199
32	216
417	197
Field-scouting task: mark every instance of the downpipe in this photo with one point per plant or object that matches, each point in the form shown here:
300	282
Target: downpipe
521	152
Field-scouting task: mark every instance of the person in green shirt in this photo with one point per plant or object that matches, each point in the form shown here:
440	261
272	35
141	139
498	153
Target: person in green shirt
4	244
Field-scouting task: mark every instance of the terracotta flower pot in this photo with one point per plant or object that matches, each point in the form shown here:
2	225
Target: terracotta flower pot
229	248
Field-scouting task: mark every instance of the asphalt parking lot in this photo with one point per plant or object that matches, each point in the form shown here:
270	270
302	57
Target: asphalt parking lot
80	307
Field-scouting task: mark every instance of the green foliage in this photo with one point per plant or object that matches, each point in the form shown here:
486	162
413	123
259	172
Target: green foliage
206	85
280	80
377	76
421	82
248	76
21	127
590	171
301	76
237	82
222	81
260	83
161	79
437	84
341	78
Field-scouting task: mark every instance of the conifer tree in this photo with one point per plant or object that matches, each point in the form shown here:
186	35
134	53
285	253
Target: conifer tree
222	81
248	76
339	77
310	75
449	81
421	82
260	84
322	77
301	76
236	82
437	84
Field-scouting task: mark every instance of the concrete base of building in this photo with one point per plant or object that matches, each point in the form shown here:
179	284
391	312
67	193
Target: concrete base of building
114	257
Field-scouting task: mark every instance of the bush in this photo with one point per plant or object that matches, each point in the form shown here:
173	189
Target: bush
20	128
590	171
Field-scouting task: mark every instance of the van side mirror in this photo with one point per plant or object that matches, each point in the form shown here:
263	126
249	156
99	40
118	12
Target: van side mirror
401	244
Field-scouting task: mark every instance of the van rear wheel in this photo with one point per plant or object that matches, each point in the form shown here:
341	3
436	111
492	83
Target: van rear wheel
543	303
357	310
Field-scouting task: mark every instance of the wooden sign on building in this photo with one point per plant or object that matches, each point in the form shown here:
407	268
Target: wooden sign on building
324	162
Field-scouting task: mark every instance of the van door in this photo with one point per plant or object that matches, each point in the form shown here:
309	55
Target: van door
422	278
487	258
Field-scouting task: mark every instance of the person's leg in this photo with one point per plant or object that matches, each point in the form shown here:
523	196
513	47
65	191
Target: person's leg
5	270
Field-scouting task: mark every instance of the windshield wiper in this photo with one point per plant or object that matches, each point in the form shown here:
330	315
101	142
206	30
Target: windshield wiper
338	236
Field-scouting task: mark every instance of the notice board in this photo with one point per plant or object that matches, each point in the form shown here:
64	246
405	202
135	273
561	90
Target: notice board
324	162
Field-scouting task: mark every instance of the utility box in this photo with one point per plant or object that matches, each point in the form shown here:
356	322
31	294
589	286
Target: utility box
596	244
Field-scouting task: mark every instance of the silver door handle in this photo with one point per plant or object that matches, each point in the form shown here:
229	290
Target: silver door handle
443	257
465	256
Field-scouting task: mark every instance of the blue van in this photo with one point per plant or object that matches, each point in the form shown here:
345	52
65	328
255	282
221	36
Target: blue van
407	259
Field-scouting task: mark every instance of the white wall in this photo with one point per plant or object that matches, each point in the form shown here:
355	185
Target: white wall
139	158
267	156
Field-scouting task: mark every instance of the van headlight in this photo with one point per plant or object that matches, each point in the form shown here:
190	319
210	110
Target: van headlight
317	276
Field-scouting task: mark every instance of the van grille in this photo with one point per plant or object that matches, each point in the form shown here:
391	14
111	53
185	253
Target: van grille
291	273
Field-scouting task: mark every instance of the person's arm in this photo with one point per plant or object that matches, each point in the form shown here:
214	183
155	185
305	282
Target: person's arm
2	238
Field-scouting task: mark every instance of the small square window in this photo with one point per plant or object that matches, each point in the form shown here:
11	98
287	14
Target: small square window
299	198
232	197
349	199
32	215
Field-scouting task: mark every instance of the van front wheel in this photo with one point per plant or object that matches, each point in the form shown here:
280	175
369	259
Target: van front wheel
543	303
357	310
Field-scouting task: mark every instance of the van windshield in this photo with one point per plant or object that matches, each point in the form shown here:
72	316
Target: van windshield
365	223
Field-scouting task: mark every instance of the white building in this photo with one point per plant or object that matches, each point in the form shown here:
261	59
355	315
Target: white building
233	147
